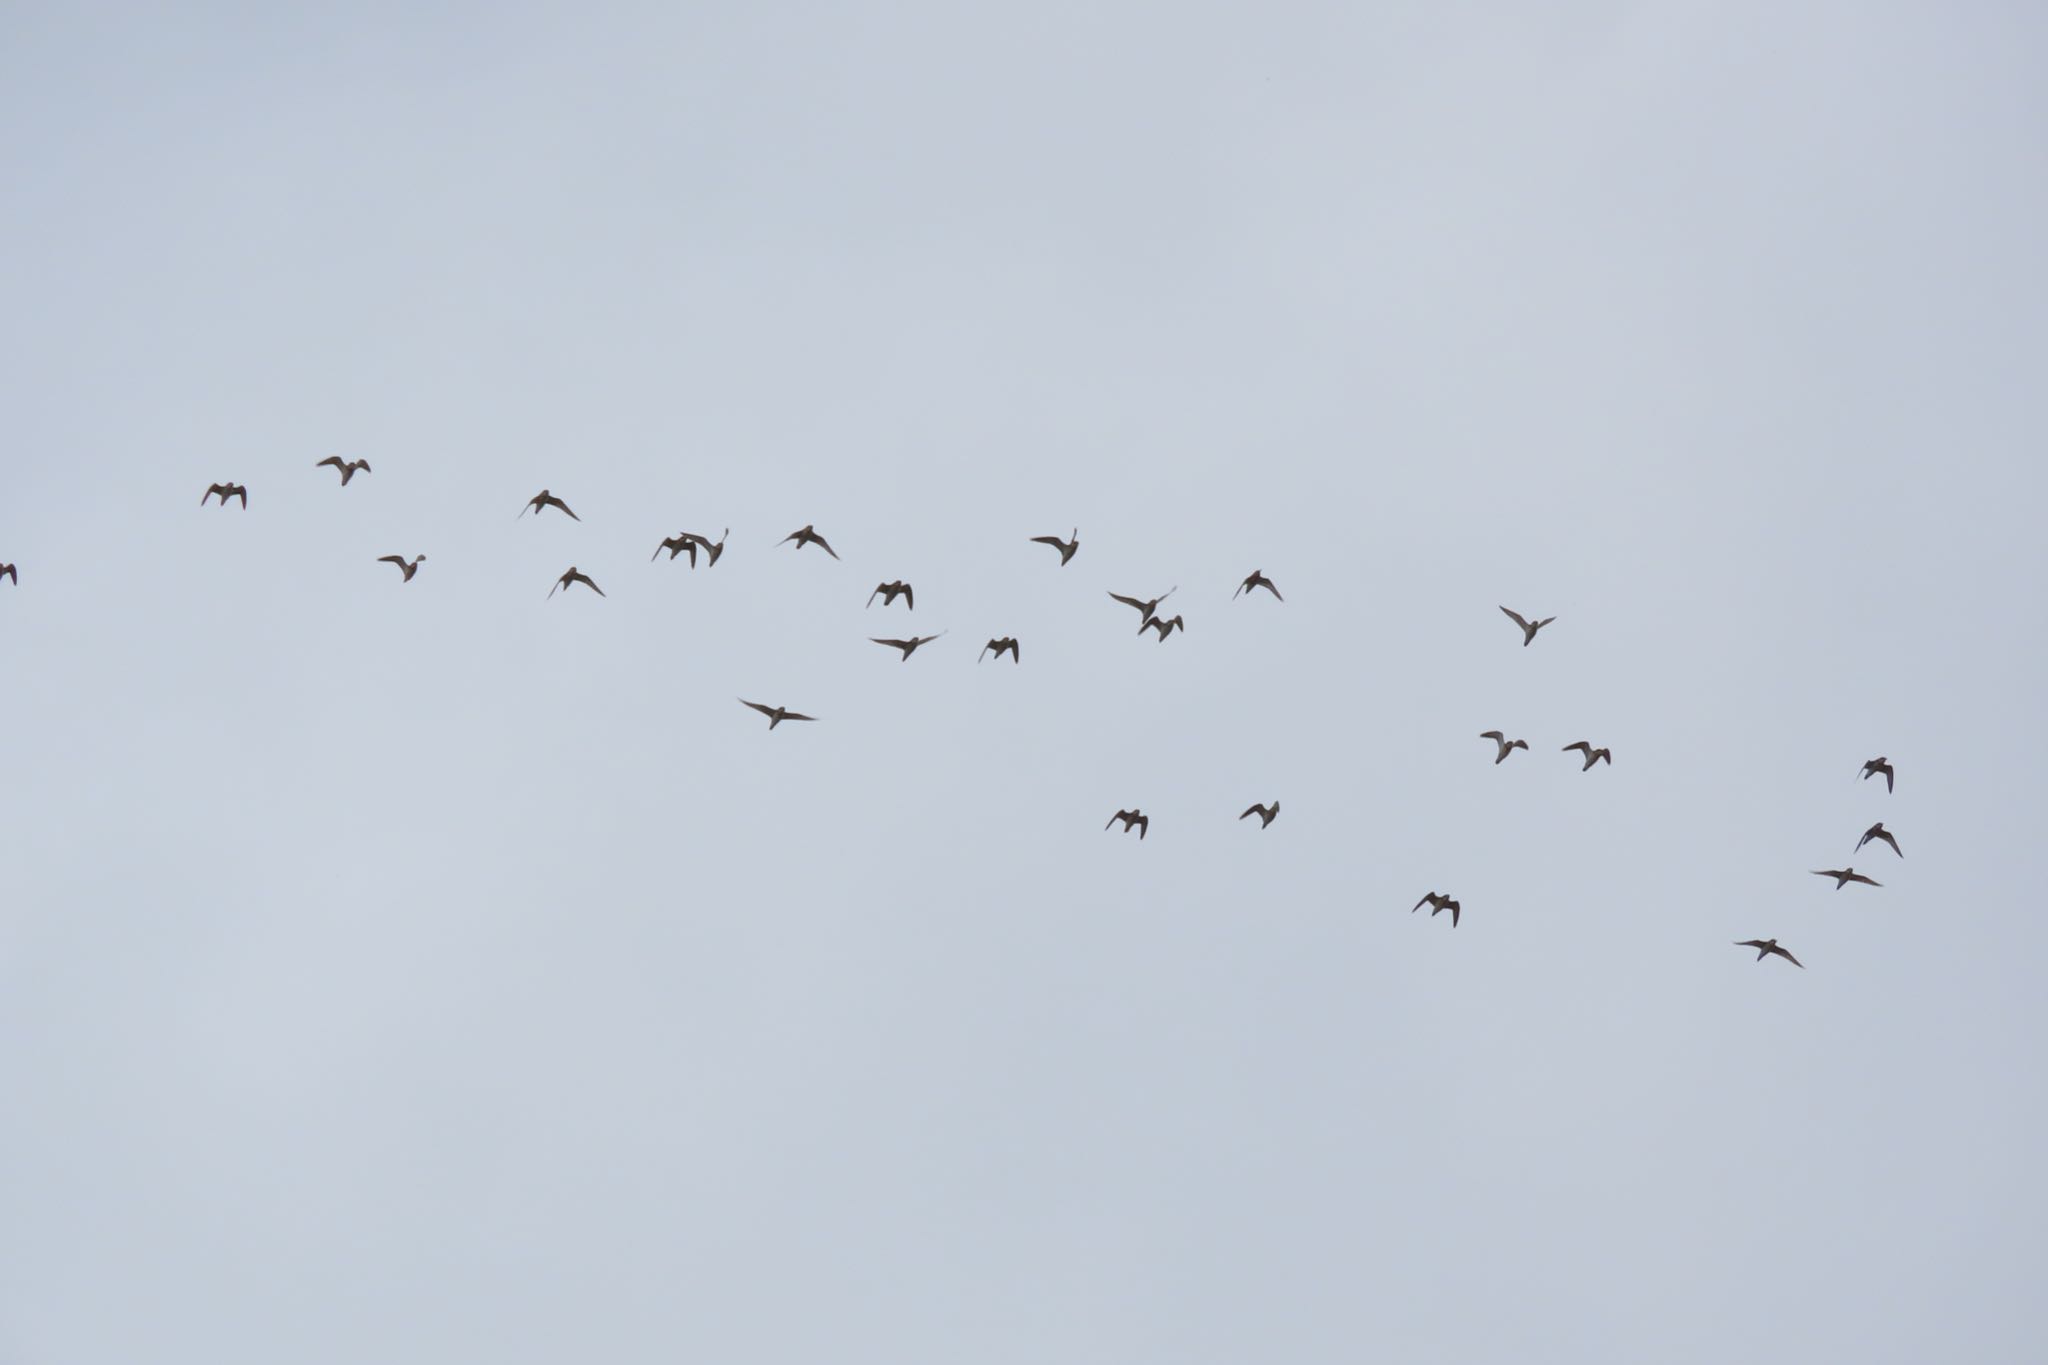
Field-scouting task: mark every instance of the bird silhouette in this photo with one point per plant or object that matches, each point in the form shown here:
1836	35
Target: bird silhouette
572	576
909	647
807	536
1528	630
1844	875
776	714
889	592
1267	814
407	569
225	491
1437	902
1130	818
1065	547
1592	754
1008	642
1878	831
1165	628
675	545
1258	580
7	571
1766	946
1879	765
348	468
541	501
1507	746
711	549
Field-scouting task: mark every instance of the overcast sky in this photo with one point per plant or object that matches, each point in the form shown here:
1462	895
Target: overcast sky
430	972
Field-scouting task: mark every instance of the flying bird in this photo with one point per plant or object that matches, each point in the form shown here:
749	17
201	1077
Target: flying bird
348	468
676	545
807	536
1593	755
1130	818
713	550
226	491
407	569
1879	765
1267	814
909	647
1844	875
1528	630
1065	547
1878	831
543	500
1437	902
571	576
1165	628
1258	580
1146	610
1766	946
889	592
1008	642
7	571
1507	746
776	714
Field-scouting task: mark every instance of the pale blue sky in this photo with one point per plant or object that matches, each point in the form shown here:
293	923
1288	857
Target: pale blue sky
433	972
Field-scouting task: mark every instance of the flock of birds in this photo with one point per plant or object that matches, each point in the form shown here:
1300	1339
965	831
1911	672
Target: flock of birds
691	543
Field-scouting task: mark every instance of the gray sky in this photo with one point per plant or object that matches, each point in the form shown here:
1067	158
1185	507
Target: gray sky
433	972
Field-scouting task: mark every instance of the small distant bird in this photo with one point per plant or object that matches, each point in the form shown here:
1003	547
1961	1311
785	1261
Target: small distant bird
1130	818
1258	580
807	536
348	468
1008	642
572	576
543	500
1508	746
1528	630
1878	765
909	647
676	545
226	491
15	578
1146	610
407	569
1437	902
709	548
1844	875
1878	831
1267	814
1593	755
889	592
1065	547
1165	628
1766	946
776	714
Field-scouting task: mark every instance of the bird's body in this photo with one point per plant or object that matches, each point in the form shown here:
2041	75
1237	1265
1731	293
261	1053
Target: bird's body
1879	765
1164	627
1766	946
776	714
909	647
573	575
1267	814
224	491
1507	746
1844	875
407	569
808	536
1592	754
1130	818
1437	902
680	543
1529	628
348	468
1878	831
889	592
1008	642
541	501
1065	547
1259	580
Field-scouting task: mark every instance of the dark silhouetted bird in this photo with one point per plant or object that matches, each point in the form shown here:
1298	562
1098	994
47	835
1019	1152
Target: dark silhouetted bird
714	550
807	536
1592	754
1879	765
1130	818
909	647
1258	580
1008	642
407	569
1507	746
776	714
225	491
1878	831
7	572
1844	875
541	501
348	468
1065	547
1766	946
571	576
1267	814
889	592
675	545
1437	902
1164	627
1528	630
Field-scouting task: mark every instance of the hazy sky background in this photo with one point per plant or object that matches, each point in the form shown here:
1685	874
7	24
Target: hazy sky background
431	972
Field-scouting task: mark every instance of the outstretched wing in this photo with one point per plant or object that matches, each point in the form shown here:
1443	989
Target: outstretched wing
572	515
876	593
1267	584
1583	745
1517	618
1132	602
796	715
764	710
1496	736
824	545
334	460
243	493
1053	541
399	560
1789	958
